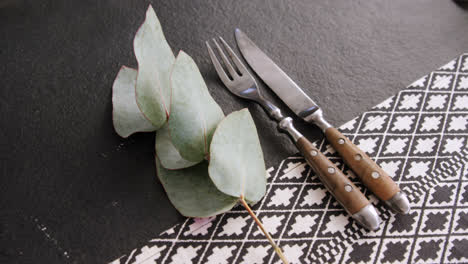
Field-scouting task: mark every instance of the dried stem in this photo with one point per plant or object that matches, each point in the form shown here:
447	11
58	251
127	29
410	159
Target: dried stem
268	236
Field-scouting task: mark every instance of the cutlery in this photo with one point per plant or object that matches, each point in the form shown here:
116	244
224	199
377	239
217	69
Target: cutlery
241	83
371	175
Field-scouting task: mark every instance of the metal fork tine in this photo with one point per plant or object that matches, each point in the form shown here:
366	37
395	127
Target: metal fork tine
234	57
226	61
219	69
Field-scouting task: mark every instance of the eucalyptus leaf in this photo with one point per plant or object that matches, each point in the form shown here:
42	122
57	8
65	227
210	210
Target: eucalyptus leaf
167	153
194	113
192	192
236	165
126	115
155	59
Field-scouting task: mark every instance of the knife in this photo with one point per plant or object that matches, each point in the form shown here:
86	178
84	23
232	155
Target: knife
371	174
242	84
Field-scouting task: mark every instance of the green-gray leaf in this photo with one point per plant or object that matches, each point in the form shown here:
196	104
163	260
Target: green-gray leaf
126	115
155	59
167	153
236	165
192	192
194	113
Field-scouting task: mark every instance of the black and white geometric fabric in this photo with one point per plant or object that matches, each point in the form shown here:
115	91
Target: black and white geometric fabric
419	137
435	230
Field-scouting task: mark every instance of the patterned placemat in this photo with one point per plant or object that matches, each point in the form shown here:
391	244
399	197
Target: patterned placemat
418	136
435	231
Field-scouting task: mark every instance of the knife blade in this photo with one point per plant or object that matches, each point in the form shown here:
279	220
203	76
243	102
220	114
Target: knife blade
374	177
242	84
298	101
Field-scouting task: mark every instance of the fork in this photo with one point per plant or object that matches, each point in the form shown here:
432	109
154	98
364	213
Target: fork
241	83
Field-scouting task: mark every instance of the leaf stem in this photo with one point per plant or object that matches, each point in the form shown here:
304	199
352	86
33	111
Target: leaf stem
268	236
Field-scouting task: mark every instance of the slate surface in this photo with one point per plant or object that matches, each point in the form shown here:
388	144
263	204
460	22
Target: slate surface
72	191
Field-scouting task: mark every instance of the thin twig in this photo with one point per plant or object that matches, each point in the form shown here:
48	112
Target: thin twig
268	236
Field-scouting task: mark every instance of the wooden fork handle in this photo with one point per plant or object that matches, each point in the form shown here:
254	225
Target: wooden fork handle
347	194
371	174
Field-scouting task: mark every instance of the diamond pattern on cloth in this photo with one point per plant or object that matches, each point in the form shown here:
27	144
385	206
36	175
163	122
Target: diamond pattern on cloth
435	230
419	136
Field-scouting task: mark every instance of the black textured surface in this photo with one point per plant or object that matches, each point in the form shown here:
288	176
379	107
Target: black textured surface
72	191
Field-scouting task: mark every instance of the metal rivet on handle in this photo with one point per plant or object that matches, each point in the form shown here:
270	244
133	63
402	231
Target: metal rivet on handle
358	157
348	188
331	170
341	141
375	175
313	152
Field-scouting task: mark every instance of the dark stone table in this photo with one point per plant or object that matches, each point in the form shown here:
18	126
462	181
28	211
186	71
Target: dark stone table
72	191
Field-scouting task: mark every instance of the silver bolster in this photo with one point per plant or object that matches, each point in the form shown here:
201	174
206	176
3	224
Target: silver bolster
271	109
317	118
286	125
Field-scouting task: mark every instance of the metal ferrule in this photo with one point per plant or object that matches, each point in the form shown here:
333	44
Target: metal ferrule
317	118
368	217
399	203
287	126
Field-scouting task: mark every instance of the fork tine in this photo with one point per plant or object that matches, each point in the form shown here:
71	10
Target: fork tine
226	61
219	69
234	57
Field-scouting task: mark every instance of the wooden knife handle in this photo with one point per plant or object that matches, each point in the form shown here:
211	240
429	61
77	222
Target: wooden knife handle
371	174
347	194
